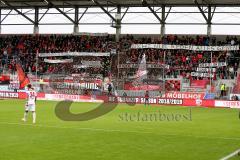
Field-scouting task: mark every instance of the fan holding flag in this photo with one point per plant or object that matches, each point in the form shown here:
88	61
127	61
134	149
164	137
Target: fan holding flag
23	79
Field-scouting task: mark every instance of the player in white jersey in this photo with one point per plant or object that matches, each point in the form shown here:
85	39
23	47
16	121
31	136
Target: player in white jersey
31	103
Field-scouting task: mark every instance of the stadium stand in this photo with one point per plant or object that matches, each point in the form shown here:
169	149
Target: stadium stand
181	62
236	88
25	48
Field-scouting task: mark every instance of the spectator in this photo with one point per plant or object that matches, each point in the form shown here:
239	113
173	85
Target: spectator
222	88
109	89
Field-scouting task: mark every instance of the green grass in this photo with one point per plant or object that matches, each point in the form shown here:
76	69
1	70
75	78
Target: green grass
236	157
211	135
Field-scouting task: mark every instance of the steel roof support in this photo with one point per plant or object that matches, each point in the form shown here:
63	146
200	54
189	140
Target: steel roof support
162	20
210	17
76	21
15	9
36	21
144	3
209	21
163	23
104	10
201	10
169	11
63	13
43	15
125	13
207	18
9	13
118	23
85	11
202	24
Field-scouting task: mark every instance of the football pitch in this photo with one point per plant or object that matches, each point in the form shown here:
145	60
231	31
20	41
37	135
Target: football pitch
126	133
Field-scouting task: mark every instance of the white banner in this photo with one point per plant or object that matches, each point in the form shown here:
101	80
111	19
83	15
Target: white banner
55	61
8	95
87	77
82	66
186	47
217	64
134	65
5	88
170	101
206	75
88	64
228	104
92	34
206	70
96	64
89	54
66	97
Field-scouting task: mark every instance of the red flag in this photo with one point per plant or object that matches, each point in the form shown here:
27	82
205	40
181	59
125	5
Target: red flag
23	79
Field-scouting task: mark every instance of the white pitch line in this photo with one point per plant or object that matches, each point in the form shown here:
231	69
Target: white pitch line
231	155
113	130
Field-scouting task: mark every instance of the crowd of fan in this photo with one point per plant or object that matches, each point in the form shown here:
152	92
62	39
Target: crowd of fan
77	66
181	62
25	47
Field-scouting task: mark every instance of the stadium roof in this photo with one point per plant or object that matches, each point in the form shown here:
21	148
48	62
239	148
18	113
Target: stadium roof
130	3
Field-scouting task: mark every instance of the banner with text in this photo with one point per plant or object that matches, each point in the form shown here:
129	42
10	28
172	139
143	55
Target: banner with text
76	54
213	70
89	64
56	61
134	65
204	75
227	104
185	47
217	64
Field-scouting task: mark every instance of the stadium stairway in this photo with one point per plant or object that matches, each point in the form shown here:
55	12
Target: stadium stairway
236	89
194	86
229	87
199	83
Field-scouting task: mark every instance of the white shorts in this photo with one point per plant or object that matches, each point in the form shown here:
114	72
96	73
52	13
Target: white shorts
30	107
